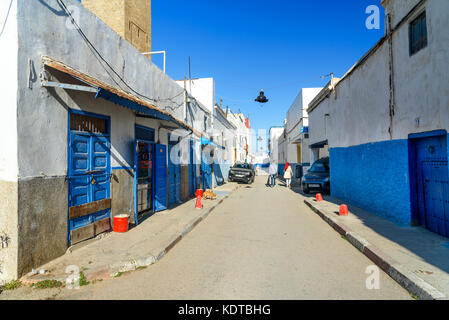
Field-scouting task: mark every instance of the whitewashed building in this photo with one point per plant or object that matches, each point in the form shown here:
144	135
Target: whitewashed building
90	129
386	120
242	138
293	146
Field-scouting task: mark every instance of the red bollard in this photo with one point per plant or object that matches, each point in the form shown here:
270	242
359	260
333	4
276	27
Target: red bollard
344	210
198	204
199	193
319	197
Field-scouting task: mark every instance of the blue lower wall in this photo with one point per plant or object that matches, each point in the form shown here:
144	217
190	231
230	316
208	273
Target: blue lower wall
221	173
375	177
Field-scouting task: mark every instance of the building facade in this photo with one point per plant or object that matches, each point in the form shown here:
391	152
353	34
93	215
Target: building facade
386	120
94	131
243	135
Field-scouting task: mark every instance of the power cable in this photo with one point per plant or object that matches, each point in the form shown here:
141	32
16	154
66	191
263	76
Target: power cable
277	86
6	19
92	47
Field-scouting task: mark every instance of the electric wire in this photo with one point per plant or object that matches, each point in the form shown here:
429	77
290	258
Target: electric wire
6	19
92	47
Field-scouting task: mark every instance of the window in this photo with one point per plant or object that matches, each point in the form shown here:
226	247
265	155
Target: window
84	123
319	167
418	33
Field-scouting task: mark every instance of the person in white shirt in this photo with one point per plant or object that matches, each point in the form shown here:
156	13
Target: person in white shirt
288	174
273	171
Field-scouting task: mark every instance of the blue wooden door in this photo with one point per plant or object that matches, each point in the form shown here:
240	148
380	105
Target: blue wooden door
174	176
89	174
433	184
206	169
160	176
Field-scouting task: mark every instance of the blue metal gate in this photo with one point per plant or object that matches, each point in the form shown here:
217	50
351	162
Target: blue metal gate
160	174
174	177
433	183
89	172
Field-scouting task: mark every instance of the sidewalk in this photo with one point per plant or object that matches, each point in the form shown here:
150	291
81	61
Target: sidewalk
413	256
139	247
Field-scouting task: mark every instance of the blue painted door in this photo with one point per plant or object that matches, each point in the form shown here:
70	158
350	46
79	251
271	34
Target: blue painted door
433	184
143	168
89	179
206	168
160	175
174	176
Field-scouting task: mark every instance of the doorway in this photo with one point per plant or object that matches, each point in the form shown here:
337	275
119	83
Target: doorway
430	181
89	173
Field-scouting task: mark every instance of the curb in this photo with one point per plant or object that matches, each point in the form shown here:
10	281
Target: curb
115	269
126	266
396	271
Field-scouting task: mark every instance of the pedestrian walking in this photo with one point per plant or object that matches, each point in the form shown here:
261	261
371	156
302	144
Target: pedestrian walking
273	173
288	174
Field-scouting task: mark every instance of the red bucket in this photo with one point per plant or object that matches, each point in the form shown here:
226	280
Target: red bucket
121	223
199	193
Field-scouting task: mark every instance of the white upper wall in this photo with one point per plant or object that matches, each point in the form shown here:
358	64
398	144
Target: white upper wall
298	109
399	8
202	89
422	80
8	83
275	134
358	110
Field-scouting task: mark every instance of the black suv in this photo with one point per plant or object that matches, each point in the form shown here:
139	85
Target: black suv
318	177
242	172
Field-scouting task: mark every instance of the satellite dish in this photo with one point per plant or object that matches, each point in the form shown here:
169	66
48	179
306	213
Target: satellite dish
261	98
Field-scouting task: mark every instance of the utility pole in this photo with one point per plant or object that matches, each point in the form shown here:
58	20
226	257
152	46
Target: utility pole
185	100
190	77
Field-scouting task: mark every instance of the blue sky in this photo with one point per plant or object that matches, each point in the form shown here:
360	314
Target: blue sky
279	46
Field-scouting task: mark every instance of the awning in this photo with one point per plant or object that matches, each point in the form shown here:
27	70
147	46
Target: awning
206	142
116	95
107	95
318	145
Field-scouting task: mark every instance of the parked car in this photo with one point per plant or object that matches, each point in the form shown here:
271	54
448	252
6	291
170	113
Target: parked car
242	172
317	179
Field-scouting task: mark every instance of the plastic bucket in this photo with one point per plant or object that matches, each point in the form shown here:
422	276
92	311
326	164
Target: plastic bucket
199	193
121	223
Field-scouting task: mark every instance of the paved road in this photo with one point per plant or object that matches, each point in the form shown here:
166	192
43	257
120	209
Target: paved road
261	243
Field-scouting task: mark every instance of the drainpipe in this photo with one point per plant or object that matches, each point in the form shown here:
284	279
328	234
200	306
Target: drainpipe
391	68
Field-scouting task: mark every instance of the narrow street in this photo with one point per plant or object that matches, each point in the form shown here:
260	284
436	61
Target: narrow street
261	243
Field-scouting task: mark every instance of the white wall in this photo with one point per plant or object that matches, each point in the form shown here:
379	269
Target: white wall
422	80
297	118
202	89
9	85
275	134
